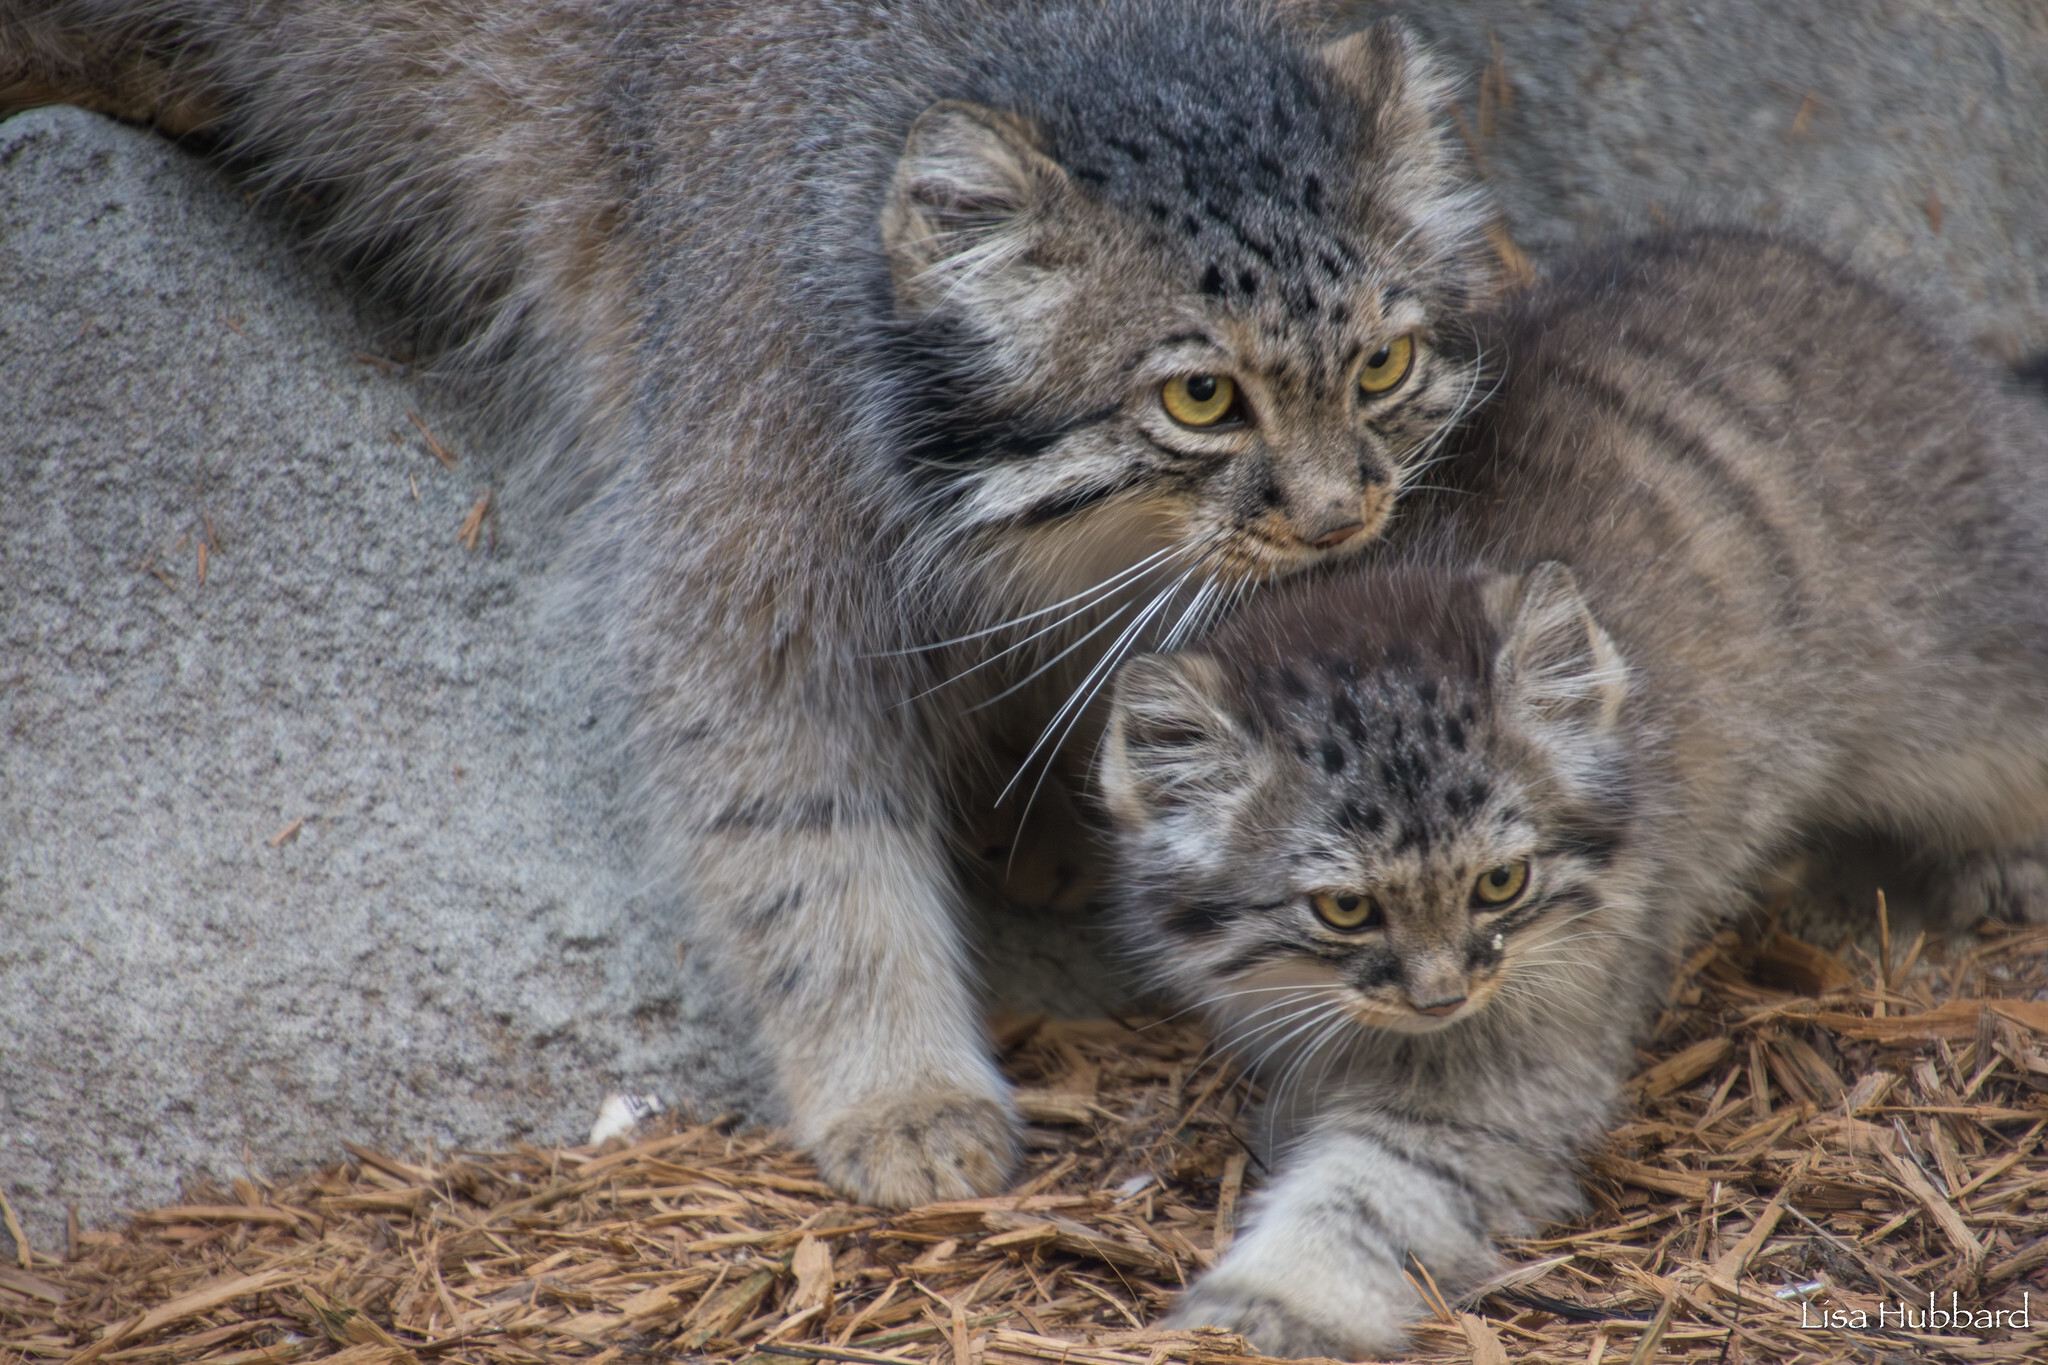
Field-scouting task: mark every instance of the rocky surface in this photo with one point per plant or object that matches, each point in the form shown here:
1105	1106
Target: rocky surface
1910	137
308	821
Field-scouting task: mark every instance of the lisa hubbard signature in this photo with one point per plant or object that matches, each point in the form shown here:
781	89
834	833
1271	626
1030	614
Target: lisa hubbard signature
1930	1318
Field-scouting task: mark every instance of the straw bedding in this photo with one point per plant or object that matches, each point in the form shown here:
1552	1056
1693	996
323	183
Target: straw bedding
1804	1137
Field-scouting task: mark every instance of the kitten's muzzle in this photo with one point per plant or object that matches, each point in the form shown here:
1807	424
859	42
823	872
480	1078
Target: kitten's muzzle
1436	984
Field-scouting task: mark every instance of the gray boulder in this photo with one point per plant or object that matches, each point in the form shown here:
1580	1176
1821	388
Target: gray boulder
327	845
1909	137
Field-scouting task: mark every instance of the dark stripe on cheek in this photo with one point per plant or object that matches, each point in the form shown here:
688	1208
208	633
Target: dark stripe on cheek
1070	501
1202	919
1369	970
1586	835
1253	957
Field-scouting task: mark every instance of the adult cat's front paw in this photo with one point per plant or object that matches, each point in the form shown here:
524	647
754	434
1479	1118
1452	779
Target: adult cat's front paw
918	1146
1281	1322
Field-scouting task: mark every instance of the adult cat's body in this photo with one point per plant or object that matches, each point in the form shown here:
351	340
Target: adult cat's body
879	346
1741	554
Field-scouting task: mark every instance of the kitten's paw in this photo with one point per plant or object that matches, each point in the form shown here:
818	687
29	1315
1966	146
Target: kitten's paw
912	1148
2010	885
1278	1324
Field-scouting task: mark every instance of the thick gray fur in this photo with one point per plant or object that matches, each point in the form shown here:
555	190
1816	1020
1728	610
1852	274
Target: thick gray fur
1742	554
840	335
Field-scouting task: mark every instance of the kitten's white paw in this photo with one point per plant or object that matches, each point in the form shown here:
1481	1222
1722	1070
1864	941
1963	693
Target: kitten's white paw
1281	1323
918	1146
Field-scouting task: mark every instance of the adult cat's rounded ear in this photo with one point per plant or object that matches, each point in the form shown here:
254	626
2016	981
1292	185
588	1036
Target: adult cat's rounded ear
1170	738
1416	166
1390	71
1555	664
968	174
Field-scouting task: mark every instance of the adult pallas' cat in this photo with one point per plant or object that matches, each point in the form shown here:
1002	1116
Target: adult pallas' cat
902	359
1743	554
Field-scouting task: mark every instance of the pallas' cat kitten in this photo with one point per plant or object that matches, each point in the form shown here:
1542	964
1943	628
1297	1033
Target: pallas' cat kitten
1741	554
907	358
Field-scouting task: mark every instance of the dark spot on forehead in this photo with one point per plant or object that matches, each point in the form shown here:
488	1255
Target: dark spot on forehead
1248	284
1344	711
1333	756
1212	279
1406	773
1356	818
1462	801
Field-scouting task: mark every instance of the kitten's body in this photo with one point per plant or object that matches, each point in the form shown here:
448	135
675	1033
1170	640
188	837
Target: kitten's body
1806	542
847	328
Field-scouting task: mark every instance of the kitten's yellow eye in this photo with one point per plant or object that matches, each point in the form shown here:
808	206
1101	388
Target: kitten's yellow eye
1346	909
1387	366
1499	885
1198	400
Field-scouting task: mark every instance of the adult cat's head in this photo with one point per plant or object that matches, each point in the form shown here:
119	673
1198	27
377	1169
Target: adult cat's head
1178	279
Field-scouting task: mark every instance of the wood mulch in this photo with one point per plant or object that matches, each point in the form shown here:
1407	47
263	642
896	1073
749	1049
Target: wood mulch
1803	1141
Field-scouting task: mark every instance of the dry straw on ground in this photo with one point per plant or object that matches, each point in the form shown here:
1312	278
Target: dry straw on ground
1796	1125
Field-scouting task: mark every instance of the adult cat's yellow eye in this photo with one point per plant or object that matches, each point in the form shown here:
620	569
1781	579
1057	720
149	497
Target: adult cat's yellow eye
1499	885
1387	366
1346	909
1198	400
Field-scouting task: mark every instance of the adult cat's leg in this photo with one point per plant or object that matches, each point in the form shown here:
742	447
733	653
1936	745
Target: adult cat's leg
836	913
796	799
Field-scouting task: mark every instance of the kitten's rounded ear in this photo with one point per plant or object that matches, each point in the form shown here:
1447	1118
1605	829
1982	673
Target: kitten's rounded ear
1170	737
966	170
1555	663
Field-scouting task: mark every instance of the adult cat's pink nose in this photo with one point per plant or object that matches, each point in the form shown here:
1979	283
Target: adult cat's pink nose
1330	540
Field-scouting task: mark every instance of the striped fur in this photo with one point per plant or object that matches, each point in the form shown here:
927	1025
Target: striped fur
1743	555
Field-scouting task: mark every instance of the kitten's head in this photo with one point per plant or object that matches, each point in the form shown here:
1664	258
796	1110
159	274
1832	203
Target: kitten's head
1395	794
1173	274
